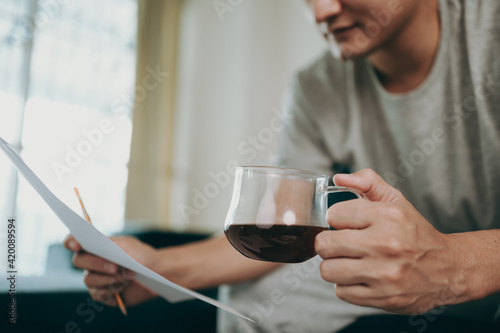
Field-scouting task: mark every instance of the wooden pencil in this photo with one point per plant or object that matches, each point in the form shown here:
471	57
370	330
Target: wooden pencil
118	298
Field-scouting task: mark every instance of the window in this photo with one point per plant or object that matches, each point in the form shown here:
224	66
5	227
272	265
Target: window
67	71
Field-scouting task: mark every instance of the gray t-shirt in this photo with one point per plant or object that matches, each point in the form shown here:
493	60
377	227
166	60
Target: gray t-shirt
438	144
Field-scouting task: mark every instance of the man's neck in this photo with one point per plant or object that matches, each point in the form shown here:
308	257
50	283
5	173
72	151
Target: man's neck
406	61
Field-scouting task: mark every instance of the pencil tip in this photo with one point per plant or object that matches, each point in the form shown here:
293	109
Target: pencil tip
121	305
124	310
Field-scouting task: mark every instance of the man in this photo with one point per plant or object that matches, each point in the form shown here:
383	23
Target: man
415	99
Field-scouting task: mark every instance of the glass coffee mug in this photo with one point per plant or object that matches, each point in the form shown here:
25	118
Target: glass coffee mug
275	213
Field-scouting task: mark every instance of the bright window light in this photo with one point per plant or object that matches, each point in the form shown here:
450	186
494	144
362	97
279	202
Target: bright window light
64	70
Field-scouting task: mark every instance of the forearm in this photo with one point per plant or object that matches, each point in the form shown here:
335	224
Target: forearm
477	258
208	263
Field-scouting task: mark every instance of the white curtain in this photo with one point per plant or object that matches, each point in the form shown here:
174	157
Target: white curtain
236	59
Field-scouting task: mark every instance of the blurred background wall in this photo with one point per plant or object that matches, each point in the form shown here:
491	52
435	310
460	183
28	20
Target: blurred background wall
234	69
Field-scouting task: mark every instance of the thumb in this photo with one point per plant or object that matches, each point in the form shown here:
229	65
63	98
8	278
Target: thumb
371	184
71	243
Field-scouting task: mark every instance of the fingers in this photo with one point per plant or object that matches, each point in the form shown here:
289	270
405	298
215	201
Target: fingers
352	214
358	294
340	243
371	184
103	278
90	262
103	295
364	295
103	288
71	244
98	280
84	260
346	271
360	214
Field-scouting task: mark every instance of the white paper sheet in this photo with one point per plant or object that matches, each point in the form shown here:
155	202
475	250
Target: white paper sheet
93	241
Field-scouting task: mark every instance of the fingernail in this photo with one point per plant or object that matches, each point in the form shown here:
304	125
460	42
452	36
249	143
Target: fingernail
129	274
72	245
343	175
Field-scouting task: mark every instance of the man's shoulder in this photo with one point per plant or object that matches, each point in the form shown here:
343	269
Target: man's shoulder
479	15
474	32
488	7
325	73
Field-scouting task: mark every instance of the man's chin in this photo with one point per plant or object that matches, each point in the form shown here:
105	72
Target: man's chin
345	51
347	54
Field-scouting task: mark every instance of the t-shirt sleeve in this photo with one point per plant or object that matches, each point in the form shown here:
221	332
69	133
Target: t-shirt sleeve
301	145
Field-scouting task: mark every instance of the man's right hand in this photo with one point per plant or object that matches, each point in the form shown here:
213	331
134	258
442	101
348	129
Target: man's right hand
104	278
197	265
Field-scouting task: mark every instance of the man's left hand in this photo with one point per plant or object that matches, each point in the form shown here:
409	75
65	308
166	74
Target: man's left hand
384	253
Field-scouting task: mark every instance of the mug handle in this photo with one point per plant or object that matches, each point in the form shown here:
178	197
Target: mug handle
338	189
